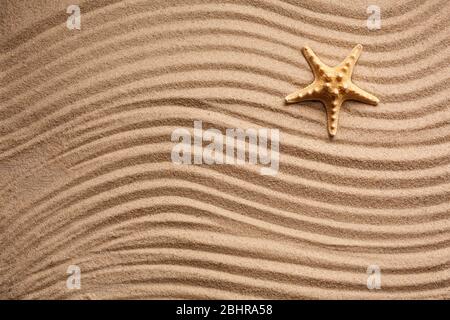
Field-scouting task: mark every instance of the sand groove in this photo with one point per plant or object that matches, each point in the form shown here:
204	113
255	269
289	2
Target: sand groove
87	177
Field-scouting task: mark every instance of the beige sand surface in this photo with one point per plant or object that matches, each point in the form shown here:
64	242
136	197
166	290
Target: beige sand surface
87	178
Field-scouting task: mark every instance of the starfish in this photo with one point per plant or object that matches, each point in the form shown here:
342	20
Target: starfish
332	86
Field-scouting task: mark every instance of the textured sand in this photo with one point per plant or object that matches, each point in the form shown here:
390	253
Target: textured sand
86	175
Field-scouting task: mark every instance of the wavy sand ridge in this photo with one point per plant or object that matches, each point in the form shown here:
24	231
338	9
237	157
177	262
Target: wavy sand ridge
87	178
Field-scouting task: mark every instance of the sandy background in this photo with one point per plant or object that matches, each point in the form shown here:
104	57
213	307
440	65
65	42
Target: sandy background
87	180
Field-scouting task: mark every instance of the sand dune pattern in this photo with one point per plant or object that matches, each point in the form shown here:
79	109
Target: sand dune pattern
87	179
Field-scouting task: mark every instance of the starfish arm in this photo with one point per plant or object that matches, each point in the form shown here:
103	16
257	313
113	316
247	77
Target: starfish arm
317	66
358	94
349	63
308	93
333	109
